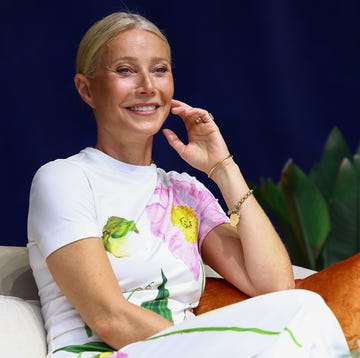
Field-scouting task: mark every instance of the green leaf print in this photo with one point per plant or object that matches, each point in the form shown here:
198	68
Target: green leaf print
233	329
114	235
87	347
160	304
140	289
88	330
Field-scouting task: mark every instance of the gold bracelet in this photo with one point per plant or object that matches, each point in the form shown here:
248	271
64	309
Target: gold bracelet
234	213
217	165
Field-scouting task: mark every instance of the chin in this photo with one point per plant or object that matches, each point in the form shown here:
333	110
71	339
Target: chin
151	130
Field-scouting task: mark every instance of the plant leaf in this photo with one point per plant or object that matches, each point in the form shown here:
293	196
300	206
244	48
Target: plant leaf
273	202
308	212
324	173
271	199
344	238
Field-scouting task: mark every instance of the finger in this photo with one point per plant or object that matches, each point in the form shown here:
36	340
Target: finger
177	103
191	114
202	116
207	118
184	111
180	108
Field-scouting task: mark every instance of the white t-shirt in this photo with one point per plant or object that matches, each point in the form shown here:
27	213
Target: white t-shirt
152	224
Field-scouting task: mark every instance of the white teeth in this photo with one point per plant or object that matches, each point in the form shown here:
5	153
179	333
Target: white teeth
143	108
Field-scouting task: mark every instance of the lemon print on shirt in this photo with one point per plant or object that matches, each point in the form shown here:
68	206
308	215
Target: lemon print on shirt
185	219
114	235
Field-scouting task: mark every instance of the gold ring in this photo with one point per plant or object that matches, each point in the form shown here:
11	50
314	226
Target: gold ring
209	117
198	120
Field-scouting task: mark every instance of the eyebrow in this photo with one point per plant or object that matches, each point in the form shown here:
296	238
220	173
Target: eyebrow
130	58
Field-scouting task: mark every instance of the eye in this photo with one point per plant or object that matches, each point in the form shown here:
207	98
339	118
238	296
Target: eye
123	70
159	70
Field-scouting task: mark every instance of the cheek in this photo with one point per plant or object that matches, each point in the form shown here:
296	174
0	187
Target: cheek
112	92
168	88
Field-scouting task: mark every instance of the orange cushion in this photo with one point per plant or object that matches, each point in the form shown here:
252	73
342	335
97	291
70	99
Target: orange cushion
339	286
218	293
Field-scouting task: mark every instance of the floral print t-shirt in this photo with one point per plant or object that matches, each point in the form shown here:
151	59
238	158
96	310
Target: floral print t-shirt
152	224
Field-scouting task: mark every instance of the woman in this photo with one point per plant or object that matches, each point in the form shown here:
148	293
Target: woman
117	244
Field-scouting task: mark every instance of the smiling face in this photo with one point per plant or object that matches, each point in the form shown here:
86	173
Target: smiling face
132	88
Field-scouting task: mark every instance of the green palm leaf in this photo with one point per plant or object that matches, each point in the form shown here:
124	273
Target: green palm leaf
318	216
344	208
307	210
324	173
273	201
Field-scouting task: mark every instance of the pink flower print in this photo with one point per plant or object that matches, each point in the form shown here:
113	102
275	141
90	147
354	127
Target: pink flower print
189	193
177	224
159	219
186	252
199	200
119	354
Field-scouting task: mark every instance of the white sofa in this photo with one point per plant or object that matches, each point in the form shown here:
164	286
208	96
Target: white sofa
22	333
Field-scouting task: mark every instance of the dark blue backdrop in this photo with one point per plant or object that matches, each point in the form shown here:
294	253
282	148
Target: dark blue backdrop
277	76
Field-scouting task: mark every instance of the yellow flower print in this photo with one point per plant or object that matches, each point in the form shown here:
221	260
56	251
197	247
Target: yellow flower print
106	354
185	218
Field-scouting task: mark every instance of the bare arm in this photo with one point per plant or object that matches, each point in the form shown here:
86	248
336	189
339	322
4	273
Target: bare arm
251	256
84	274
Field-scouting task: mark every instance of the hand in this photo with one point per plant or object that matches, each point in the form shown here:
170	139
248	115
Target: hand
206	145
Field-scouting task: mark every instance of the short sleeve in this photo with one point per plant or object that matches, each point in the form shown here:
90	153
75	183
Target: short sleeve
211	215
61	207
208	210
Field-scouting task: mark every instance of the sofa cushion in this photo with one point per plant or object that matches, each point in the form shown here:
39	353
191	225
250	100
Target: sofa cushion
16	278
21	330
339	286
218	293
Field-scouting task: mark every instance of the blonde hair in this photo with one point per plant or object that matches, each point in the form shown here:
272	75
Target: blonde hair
99	34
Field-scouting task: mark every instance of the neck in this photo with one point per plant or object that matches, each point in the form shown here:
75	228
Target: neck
122	153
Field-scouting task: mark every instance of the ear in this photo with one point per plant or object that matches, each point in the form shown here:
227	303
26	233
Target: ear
82	85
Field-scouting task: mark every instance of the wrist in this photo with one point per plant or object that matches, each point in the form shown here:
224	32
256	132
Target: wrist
224	170
218	165
230	181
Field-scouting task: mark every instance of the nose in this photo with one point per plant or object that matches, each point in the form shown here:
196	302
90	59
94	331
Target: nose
145	85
